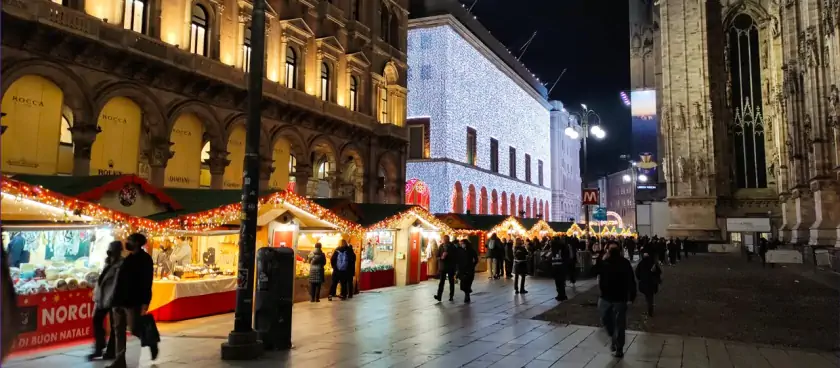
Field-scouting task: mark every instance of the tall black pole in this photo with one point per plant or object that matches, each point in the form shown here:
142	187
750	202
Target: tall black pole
585	137
242	342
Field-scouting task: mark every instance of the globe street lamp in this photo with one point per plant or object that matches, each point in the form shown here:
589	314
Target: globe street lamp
584	134
626	178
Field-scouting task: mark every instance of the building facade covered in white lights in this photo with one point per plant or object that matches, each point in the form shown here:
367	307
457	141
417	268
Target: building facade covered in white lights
565	166
479	122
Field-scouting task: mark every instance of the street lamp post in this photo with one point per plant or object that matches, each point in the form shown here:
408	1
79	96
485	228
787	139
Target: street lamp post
598	133
243	343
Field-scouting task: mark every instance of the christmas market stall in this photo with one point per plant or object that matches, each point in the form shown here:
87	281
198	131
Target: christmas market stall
559	227
56	247
398	242
284	220
539	229
479	228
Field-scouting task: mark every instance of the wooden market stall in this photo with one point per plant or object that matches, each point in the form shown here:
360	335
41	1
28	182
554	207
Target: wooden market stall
397	244
56	247
284	220
540	229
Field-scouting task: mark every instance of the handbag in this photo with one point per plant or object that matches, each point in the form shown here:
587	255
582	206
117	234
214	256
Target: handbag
147	330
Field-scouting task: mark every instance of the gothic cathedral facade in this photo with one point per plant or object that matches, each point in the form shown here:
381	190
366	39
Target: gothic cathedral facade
748	106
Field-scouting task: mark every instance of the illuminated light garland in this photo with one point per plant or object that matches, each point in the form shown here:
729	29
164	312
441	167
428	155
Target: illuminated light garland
541	226
625	99
122	223
413	212
232	213
476	93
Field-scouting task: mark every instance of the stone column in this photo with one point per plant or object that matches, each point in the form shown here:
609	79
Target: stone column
218	162
302	174
266	169
826	213
83	137
159	154
804	206
788	217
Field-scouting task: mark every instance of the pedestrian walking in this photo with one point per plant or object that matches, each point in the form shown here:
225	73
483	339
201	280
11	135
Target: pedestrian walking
103	297
630	244
617	284
317	261
649	275
341	263
499	257
509	258
467	260
350	279
573	244
685	244
132	295
448	266
520	266
493	245
559	259
673	251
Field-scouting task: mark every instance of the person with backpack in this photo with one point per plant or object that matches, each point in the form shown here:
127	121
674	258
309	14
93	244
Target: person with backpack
520	266
467	260
448	256
340	262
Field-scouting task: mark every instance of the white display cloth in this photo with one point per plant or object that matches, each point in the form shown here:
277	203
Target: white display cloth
165	291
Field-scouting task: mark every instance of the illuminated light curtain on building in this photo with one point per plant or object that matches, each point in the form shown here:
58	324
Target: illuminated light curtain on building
747	126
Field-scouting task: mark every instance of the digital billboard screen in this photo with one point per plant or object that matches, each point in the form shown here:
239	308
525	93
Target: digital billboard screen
645	137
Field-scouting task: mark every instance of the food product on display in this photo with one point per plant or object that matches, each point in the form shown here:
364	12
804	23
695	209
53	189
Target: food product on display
32	279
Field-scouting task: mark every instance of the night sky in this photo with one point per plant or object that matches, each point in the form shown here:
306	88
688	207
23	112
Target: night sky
590	39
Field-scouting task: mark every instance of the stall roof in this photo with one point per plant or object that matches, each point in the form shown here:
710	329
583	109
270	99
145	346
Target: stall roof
92	188
559	226
199	200
527	223
460	221
367	214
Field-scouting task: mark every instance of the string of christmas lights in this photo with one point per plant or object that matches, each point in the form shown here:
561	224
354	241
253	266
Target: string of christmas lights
69	207
418	212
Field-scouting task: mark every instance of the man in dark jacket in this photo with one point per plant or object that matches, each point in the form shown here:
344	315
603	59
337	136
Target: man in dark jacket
132	295
467	259
343	264
509	258
618	288
559	259
448	264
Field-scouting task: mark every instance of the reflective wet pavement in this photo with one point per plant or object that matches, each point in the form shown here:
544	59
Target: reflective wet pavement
405	327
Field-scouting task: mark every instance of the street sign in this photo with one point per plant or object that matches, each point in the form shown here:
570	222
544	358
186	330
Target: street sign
600	214
591	197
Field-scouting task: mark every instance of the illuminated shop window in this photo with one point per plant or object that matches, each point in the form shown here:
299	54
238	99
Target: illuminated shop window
198	31
66	137
246	50
291	68
354	93
325	82
134	15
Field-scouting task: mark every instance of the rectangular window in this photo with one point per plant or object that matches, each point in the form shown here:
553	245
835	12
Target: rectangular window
383	105
527	167
246	50
416	142
512	164
471	146
134	15
540	172
425	72
494	155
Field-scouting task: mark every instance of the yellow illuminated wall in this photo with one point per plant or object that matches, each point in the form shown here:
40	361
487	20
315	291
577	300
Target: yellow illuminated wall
183	169
280	157
30	144
117	148
236	155
112	10
175	18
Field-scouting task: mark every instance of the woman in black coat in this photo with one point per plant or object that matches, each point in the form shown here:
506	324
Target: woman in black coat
649	275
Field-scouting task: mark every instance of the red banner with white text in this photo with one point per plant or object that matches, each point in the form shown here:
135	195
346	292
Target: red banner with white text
54	318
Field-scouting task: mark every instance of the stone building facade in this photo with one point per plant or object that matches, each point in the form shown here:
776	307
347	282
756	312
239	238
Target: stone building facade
565	166
749	106
161	84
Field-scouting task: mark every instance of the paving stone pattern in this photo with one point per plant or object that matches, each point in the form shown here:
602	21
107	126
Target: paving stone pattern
724	297
404	327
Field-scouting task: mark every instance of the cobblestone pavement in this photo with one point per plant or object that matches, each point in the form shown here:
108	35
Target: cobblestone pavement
725	297
404	327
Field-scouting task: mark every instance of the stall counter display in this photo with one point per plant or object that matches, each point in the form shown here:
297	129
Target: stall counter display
54	272
194	276
378	257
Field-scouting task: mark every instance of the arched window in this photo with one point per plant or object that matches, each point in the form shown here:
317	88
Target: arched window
198	31
323	168
60	2
246	50
383	105
291	68
134	15
394	30
354	93
748	123
292	164
325	81
384	22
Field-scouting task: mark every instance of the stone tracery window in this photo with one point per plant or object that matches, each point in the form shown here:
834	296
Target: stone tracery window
747	126
198	30
291	68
